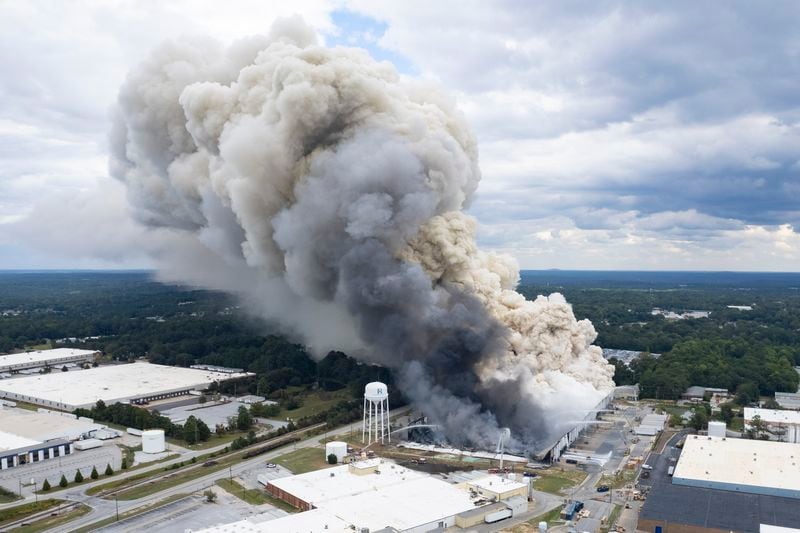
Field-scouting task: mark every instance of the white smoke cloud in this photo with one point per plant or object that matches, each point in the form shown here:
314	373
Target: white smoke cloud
328	191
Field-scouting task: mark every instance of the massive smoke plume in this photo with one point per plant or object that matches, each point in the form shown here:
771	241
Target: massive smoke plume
328	192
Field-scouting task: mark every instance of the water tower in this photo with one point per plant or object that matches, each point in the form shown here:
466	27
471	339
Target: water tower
376	413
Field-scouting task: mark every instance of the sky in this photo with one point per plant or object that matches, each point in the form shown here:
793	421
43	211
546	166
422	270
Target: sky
612	135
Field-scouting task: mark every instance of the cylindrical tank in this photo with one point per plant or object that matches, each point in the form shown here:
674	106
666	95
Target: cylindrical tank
337	448
153	441
376	391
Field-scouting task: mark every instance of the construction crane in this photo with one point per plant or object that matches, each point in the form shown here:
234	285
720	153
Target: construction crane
505	434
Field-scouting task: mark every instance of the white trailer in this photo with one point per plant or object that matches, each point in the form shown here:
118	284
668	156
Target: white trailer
87	444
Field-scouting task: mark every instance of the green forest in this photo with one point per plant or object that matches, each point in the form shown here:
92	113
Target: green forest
730	348
129	315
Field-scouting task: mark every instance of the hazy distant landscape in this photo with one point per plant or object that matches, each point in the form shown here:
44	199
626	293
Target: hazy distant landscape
129	315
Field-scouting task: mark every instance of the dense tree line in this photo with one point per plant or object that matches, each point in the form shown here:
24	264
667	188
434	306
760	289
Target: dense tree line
752	349
134	316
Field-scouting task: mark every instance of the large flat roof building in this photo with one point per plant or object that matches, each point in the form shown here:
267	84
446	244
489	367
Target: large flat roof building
781	425
375	495
740	465
788	400
135	383
712	489
16	362
44	425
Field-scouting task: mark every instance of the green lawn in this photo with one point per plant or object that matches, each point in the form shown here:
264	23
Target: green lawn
18	512
253	496
215	440
303	460
7	496
315	402
552	517
616	482
554	481
128	514
50	522
611	519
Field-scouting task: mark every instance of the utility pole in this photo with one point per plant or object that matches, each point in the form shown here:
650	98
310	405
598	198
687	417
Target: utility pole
116	504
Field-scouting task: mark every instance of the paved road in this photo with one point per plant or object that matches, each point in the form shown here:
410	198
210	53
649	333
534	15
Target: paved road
52	469
28	496
102	509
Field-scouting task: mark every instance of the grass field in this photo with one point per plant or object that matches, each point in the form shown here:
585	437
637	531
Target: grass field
617	482
314	403
50	522
215	440
555	480
21	511
611	519
303	460
253	496
169	481
128	514
552	517
6	496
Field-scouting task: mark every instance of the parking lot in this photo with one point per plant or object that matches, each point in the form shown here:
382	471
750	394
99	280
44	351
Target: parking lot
195	513
52	469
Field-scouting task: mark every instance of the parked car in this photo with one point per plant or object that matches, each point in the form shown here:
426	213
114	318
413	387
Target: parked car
603	488
647	467
271	465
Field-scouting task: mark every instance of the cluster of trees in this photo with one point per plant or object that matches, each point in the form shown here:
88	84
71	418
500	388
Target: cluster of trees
78	478
750	352
750	369
132	416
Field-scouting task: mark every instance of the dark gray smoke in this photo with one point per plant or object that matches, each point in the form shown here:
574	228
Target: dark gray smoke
327	191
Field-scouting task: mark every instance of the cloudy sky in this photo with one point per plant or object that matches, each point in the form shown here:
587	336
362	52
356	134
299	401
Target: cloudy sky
613	135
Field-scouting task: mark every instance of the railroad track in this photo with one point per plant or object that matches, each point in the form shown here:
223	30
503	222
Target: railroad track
264	447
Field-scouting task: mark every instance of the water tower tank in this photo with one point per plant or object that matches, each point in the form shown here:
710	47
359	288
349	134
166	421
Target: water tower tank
376	413
153	441
337	448
376	391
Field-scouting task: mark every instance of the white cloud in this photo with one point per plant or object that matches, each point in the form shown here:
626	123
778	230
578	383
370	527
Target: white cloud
610	132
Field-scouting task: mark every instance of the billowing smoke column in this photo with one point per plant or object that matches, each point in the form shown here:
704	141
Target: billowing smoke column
328	193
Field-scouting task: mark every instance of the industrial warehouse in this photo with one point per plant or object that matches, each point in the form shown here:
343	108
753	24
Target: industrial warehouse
778	424
133	383
722	484
376	494
33	360
31	436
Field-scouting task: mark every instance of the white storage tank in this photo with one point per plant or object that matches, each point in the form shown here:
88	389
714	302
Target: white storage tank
153	441
716	429
337	448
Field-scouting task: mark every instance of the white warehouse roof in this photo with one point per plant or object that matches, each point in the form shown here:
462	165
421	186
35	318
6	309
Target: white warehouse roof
497	484
403	506
314	521
772	416
396	497
742	465
9	441
113	383
41	357
320	486
43	426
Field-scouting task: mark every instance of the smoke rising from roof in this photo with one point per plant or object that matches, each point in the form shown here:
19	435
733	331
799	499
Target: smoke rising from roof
328	191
